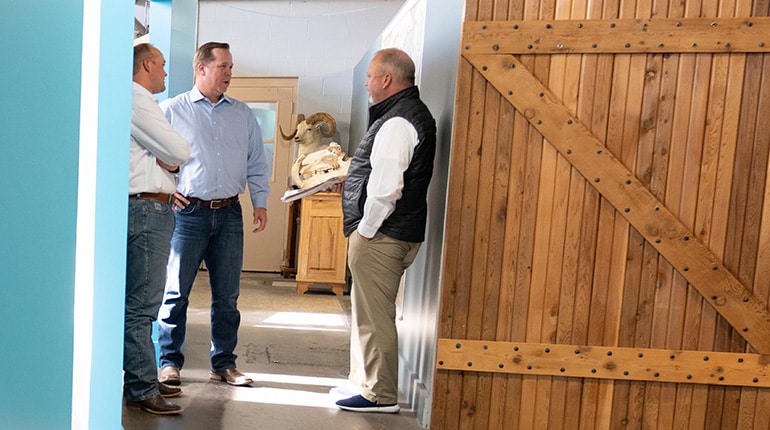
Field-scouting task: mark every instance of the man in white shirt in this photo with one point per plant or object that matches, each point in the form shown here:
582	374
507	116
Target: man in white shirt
384	204
156	152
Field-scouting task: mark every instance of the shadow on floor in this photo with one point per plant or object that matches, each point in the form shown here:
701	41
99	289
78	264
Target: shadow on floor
295	347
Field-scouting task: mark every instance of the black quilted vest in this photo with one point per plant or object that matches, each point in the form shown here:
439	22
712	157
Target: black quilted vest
407	222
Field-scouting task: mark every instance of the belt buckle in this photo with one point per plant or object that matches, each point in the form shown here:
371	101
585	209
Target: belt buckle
171	199
217	204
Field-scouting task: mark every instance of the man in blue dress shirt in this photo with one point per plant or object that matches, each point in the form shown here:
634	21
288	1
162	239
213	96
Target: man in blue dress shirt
227	153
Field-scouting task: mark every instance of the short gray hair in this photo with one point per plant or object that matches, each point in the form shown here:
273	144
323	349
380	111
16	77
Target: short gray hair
397	63
142	51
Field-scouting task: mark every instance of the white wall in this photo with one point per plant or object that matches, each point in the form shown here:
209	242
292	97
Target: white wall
319	41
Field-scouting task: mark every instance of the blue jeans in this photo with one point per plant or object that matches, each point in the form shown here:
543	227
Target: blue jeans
150	226
216	237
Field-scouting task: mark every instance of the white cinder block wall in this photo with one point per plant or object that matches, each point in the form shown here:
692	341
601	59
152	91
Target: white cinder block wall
318	41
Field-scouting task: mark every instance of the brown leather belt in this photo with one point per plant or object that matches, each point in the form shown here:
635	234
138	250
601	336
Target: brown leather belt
214	204
159	197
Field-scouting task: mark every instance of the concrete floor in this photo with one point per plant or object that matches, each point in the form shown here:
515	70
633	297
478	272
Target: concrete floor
295	347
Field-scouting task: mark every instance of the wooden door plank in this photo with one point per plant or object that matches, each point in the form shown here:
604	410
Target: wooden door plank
730	408
446	405
762	274
756	180
480	227
554	286
686	197
624	35
746	409
743	160
555	388
683	407
509	180
476	387
708	227
541	67
651	406
700	172
713	326
661	273
572	313
758	231
537	405
735	369
534	142
472	167
605	311
762	410
751	262
727	155
593	107
491	398
569	76
517	260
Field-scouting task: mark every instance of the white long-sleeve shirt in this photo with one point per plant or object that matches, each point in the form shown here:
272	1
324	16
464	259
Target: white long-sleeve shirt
391	155
152	138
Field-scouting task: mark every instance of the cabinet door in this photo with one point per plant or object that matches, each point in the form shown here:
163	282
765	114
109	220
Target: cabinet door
322	246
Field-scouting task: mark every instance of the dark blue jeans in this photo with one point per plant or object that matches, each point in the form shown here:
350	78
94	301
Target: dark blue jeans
150	225
216	237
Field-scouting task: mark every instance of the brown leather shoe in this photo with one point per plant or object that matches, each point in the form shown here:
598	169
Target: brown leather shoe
231	376
157	405
167	391
170	376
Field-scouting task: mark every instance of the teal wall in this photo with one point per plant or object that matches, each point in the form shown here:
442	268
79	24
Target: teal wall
173	30
39	170
116	63
40	140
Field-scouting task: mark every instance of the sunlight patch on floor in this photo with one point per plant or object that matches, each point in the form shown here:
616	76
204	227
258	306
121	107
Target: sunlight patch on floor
305	321
284	396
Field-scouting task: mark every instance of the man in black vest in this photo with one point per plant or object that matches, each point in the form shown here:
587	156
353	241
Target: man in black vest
384	203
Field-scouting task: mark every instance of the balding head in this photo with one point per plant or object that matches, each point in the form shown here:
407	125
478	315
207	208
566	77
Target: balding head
143	51
390	71
397	63
149	70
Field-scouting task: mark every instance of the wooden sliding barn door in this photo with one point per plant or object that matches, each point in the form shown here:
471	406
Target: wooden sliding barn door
607	255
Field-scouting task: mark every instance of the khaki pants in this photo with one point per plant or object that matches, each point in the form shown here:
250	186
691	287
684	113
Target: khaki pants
376	267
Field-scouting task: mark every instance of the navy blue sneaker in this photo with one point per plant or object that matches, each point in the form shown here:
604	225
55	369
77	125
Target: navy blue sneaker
360	404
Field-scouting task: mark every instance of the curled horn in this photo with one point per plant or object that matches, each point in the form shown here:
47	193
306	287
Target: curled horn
300	118
326	118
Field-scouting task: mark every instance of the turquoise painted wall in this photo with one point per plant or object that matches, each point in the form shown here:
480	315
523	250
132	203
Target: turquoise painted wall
39	169
38	172
116	52
173	30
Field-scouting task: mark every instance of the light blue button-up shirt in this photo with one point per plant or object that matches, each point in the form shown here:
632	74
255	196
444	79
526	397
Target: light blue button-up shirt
227	148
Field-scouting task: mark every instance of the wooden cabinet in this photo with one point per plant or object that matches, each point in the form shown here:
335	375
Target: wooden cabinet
322	246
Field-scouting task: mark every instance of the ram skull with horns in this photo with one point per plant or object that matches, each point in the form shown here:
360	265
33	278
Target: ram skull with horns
308	132
316	161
